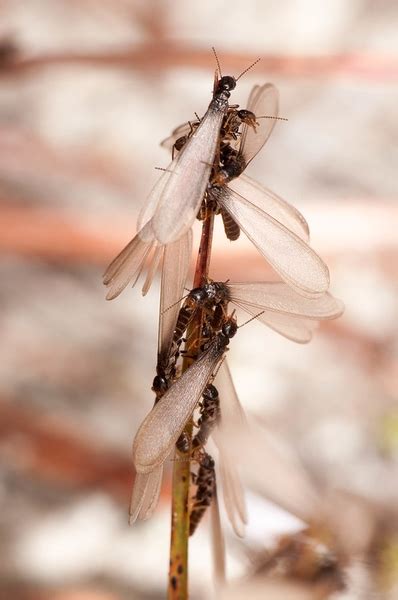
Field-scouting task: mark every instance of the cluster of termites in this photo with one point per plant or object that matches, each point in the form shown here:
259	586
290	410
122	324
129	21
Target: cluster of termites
206	178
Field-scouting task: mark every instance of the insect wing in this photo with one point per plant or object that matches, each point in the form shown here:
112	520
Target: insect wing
186	184
145	494
289	255
217	540
263	102
232	416
176	261
266	200
293	328
149	208
153	267
280	298
161	428
234	500
128	264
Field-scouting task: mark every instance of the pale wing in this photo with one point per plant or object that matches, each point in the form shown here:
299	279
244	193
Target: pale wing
232	416
293	328
175	268
180	131
289	255
152	201
145	494
263	102
232	492
217	539
153	267
152	493
232	412
186	184
127	266
161	428
272	204
272	469
280	298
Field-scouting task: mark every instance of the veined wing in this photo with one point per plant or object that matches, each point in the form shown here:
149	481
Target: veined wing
217	538
288	254
263	102
287	483
175	268
185	185
152	268
145	494
128	264
272	204
161	428
232	416
293	328
147	211
280	298
234	500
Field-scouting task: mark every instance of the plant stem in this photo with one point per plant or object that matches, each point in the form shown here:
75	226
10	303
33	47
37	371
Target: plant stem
178	573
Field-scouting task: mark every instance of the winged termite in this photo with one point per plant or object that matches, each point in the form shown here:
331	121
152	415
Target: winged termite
209	415
205	481
277	230
233	160
273	303
161	428
205	478
174	202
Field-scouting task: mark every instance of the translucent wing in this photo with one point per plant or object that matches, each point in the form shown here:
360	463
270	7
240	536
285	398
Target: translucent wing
272	469
288	254
272	204
128	264
161	428
175	267
280	298
263	102
231	408
217	538
152	201
295	329
233	494
186	184
145	494
232	416
153	267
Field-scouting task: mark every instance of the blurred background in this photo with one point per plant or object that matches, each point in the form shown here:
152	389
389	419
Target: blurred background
88	89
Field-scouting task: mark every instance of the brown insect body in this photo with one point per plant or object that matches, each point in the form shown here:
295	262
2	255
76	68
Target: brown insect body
205	481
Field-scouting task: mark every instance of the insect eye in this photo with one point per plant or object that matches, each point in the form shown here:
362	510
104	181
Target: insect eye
246	114
227	83
198	294
211	392
229	329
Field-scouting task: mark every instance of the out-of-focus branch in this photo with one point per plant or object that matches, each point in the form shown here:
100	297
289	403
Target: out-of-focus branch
47	449
160	56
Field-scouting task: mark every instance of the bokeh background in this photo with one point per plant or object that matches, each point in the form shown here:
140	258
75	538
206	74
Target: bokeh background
88	89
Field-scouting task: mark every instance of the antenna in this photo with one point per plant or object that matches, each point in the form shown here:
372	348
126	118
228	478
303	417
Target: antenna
217	61
252	319
275	118
248	69
174	303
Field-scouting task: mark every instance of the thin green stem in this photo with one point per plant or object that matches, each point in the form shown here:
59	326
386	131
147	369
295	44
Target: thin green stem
178	573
